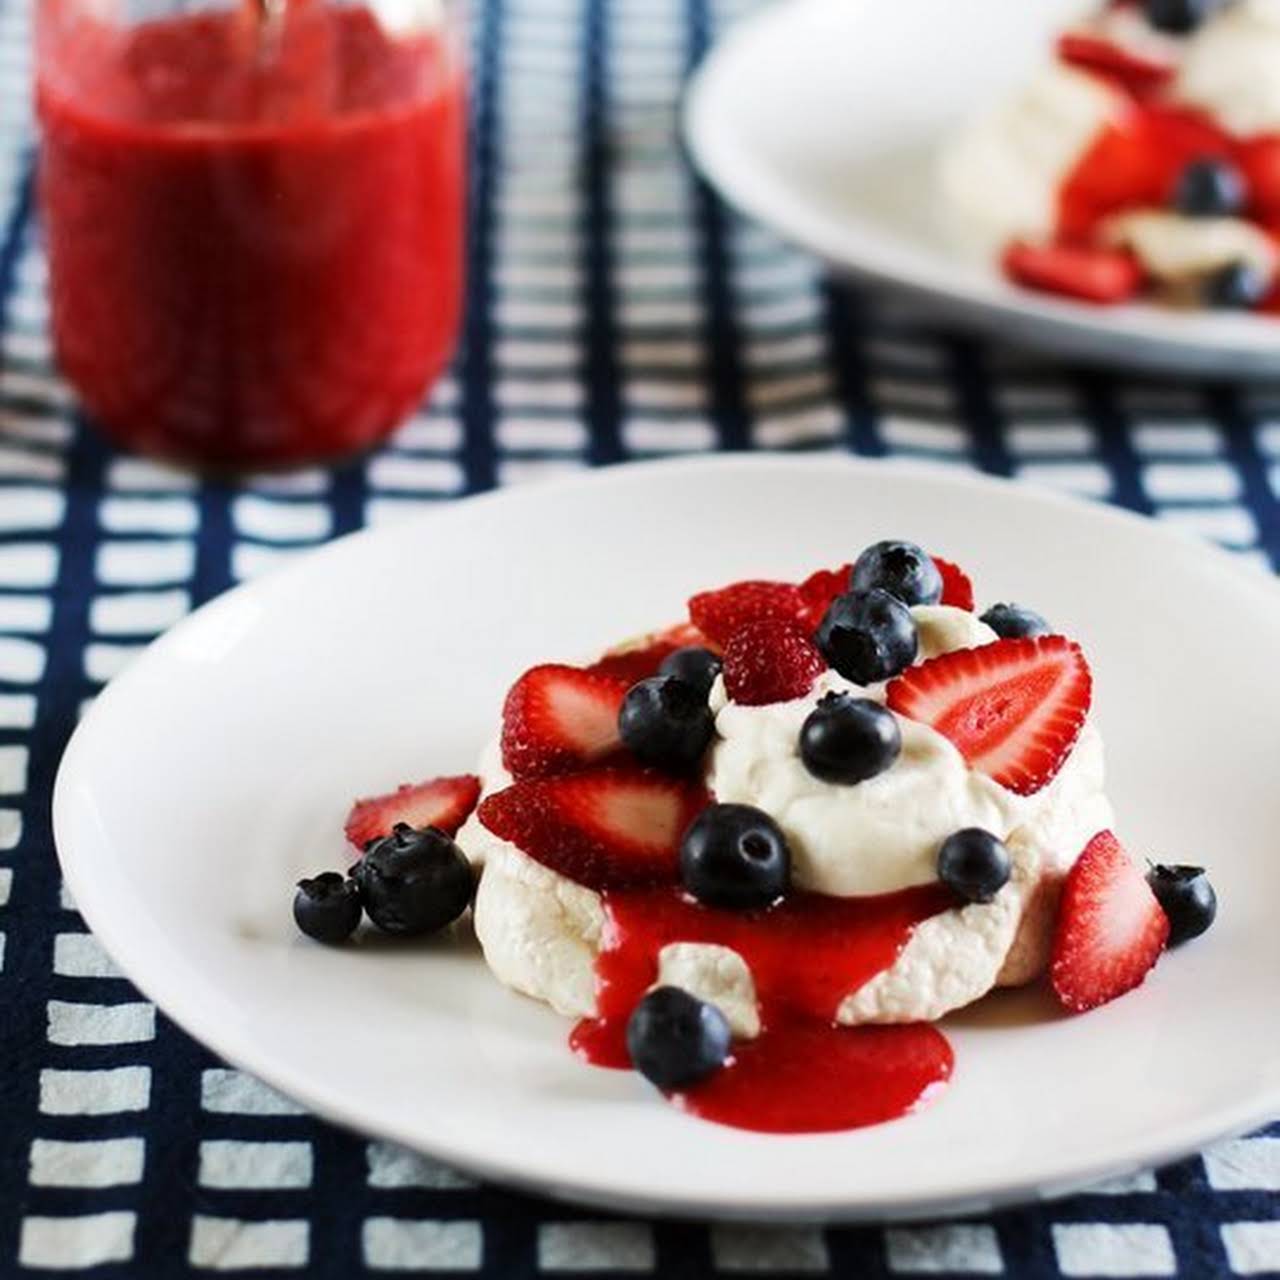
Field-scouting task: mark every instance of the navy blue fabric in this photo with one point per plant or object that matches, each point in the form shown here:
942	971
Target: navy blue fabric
618	310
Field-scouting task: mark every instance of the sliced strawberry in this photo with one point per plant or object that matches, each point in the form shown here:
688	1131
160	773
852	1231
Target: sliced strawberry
641	659
1013	708
1111	929
605	828
1091	274
558	718
1259	159
957	590
1137	73
720	613
445	803
770	661
819	589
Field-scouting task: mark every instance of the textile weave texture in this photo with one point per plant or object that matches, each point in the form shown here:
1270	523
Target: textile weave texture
617	311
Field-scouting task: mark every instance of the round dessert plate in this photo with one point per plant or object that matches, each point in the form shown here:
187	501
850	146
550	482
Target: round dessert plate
218	768
825	119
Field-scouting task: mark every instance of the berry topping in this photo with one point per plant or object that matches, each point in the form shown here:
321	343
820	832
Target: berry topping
1239	286
558	718
770	661
1014	708
847	739
1136	71
1075	271
1187	898
974	865
444	803
327	907
1011	621
957	590
868	636
735	856
694	665
640	659
666	722
718	614
1179	17
612	828
819	590
1209	188
414	882
900	568
675	1039
1110	929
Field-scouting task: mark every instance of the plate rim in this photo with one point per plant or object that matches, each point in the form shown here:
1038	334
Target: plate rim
1154	339
274	1069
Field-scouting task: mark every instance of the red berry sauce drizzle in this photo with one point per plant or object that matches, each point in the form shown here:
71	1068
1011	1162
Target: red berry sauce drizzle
802	1074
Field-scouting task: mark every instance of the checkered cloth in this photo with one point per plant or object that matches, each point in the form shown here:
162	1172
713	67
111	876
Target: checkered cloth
618	311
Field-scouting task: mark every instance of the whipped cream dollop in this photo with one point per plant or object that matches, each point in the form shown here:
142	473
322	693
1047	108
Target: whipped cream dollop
541	932
1002	174
1231	68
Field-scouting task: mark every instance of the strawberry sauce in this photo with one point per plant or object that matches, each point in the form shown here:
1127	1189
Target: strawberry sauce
803	1074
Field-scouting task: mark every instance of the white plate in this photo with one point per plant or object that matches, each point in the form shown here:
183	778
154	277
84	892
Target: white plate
218	768
823	119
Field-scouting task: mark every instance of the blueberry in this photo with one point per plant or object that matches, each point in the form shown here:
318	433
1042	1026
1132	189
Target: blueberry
696	666
1012	621
868	636
1209	188
735	856
1187	898
327	907
414	881
973	864
1178	17
666	722
847	739
675	1039
1239	286
900	568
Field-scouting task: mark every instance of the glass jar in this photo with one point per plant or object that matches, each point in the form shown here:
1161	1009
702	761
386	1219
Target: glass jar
253	214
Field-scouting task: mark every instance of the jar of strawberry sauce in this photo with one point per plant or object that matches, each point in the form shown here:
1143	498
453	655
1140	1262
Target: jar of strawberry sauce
253	212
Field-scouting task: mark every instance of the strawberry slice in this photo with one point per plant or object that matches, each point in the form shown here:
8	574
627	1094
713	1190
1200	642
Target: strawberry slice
445	803
1259	159
818	590
957	590
770	660
1137	73
719	614
1013	708
558	718
641	659
605	828
1090	274
1111	928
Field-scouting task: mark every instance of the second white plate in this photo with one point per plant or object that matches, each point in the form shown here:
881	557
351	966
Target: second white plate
217	769
824	118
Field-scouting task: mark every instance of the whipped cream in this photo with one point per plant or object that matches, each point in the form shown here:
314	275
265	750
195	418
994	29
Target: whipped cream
1231	67
541	932
1002	175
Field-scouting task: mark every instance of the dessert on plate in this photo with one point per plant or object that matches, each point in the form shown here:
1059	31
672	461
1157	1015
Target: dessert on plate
1142	160
759	854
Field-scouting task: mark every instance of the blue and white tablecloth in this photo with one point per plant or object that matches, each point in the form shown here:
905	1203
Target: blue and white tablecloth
617	311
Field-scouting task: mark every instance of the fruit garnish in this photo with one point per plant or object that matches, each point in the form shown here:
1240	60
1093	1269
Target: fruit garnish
1083	272
770	660
868	636
558	718
327	907
609	828
1110	931
443	803
666	722
674	1039
1138	73
957	589
903	569
846	740
414	882
1014	708
718	614
819	589
974	864
1187	898
643	658
735	856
